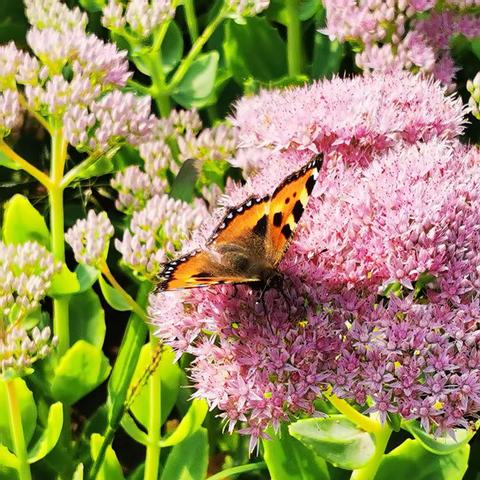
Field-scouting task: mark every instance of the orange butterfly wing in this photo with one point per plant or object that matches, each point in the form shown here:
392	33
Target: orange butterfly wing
197	269
260	228
287	206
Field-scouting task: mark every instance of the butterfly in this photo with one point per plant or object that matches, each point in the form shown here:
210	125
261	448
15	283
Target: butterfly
250	241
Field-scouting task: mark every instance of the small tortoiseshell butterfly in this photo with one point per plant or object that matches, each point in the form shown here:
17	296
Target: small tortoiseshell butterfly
250	241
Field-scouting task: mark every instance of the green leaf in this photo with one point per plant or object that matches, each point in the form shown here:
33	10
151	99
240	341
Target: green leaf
170	376
87	318
327	54
189	424
22	222
115	299
7	458
254	50
111	468
188	460
183	186
286	458
92	5
133	430
28	411
306	9
50	434
336	439
64	283
197	84
438	445
411	460
78	474
87	276
80	370
172	48
126	361
5	161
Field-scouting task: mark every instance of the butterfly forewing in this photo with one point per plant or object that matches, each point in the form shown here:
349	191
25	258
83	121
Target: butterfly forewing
287	205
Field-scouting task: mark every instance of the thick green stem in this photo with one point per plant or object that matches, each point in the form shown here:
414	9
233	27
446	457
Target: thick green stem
16	430
60	305
158	89
365	423
191	19
195	50
152	459
61	326
369	471
294	39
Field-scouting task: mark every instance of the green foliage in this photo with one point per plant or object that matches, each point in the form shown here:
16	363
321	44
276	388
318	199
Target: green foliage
22	222
80	370
336	439
188	460
411	460
286	457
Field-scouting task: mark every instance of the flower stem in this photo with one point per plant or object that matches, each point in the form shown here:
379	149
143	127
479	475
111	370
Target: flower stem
158	89
61	326
195	50
152	459
294	39
364	422
113	281
250	467
16	430
191	19
369	471
24	165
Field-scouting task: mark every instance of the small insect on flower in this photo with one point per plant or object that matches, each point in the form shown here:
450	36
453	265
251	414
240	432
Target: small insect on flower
250	241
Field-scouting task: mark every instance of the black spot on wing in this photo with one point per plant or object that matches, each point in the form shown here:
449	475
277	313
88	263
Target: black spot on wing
310	184
260	228
277	219
287	200
202	275
287	231
297	211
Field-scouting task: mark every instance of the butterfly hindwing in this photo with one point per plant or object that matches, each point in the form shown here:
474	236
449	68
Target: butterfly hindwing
197	269
287	205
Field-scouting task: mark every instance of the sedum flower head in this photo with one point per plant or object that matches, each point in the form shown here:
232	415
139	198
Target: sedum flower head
473	86
391	37
54	14
246	8
141	17
10	112
19	349
26	270
378	111
89	238
157	232
405	218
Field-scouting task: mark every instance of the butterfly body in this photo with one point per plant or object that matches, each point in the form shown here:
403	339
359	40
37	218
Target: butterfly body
250	241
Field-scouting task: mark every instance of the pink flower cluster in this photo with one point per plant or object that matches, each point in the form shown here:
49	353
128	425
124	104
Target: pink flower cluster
391	35
407	216
73	80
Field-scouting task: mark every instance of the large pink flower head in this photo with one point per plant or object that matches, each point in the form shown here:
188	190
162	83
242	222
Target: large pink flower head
354	117
389	37
404	220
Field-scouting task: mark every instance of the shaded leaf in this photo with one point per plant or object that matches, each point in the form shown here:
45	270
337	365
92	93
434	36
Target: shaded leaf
286	458
113	297
336	439
80	370
50	434
23	222
87	318
188	460
411	460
